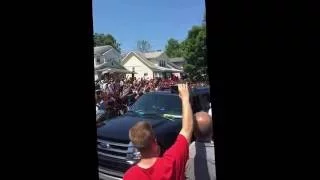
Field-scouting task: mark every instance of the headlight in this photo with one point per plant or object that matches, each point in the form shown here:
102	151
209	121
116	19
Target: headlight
133	154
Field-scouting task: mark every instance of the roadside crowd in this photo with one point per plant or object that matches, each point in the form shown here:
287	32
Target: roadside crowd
114	96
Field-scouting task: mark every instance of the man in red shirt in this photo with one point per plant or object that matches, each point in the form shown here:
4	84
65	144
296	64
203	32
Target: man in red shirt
171	166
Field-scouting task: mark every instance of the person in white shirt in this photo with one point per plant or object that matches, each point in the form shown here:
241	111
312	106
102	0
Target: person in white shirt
110	88
104	86
201	163
210	111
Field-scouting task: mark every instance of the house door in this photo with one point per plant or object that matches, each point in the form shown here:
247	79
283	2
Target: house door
164	75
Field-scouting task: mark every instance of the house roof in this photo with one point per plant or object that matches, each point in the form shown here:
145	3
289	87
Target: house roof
152	55
148	63
177	59
101	49
170	64
115	65
124	55
141	57
111	70
169	69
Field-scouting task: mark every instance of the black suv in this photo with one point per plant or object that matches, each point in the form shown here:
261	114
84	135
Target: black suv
162	109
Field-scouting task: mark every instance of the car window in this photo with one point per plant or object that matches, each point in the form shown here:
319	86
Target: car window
205	102
158	103
200	102
196	107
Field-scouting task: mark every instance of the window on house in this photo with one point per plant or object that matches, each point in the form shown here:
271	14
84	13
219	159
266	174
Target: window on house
98	59
161	63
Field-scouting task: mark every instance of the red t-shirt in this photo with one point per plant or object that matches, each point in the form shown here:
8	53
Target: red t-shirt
170	166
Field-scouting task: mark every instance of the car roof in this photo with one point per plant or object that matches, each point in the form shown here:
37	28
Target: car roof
201	90
194	91
164	92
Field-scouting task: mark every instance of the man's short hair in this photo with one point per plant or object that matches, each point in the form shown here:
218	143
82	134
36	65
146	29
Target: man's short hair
142	135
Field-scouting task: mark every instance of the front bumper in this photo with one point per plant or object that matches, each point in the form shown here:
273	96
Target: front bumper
106	174
112	169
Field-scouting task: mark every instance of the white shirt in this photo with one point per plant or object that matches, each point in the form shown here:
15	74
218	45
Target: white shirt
201	163
104	86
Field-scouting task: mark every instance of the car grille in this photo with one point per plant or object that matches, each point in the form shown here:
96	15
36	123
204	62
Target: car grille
112	149
112	155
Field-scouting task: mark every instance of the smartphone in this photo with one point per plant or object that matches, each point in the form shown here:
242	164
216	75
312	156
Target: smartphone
174	89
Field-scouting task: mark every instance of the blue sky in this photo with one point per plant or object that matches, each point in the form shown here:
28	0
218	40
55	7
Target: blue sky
153	20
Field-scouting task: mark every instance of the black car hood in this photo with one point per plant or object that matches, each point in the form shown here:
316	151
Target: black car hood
117	129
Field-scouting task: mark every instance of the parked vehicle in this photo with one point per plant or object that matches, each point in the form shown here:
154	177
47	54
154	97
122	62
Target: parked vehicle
162	109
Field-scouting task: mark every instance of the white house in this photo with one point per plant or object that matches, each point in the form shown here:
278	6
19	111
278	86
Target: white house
107	60
149	65
103	54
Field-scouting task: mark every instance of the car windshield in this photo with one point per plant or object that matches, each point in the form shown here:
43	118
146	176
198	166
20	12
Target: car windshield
158	104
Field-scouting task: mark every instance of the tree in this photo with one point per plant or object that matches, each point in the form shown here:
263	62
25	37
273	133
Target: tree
143	46
173	48
195	52
106	39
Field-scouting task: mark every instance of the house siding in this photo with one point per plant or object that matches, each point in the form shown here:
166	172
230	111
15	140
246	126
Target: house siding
139	67
162	57
110	58
112	55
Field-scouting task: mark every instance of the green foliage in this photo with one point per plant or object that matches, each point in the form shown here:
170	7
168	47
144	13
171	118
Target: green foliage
143	46
173	48
106	39
195	52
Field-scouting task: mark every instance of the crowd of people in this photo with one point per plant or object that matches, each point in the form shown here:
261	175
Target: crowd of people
184	159
114	96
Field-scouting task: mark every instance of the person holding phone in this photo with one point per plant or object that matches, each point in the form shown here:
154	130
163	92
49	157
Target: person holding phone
171	166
